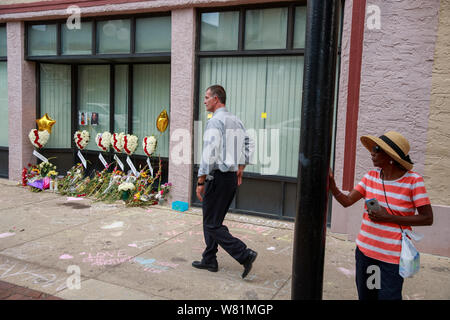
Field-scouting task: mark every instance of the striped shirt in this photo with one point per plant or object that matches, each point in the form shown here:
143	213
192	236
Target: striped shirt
382	240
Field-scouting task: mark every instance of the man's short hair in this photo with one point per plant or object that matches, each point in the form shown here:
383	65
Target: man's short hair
219	92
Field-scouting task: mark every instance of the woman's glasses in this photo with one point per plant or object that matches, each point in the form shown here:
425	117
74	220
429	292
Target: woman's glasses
376	149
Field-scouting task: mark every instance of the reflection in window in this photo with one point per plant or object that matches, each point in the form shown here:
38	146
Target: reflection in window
3	105
151	95
219	31
153	34
266	29
55	99
93	96
42	40
76	41
113	36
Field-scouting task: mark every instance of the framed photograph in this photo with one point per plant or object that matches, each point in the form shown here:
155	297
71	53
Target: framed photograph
94	119
82	118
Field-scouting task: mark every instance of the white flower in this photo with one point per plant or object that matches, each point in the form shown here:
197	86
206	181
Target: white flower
130	143
117	141
149	145
126	186
38	138
105	141
81	139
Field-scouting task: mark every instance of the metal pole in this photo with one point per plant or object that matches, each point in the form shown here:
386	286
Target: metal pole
315	149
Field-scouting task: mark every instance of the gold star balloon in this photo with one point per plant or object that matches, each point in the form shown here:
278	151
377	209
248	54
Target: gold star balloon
162	121
45	123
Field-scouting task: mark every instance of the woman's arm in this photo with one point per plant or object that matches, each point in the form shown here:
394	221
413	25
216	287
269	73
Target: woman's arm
345	200
424	217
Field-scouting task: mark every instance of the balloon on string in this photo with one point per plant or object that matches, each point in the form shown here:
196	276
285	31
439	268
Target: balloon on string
162	121
45	123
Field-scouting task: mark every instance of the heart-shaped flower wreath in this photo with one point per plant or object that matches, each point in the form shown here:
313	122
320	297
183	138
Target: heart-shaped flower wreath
81	139
38	138
130	143
149	145
103	140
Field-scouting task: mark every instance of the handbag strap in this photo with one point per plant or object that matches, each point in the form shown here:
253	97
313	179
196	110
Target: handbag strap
385	196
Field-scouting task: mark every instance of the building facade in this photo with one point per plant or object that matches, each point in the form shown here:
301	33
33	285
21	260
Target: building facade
128	61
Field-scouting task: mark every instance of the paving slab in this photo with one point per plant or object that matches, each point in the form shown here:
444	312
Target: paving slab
146	253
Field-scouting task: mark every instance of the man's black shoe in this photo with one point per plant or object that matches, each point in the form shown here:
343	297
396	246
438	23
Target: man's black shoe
213	267
249	263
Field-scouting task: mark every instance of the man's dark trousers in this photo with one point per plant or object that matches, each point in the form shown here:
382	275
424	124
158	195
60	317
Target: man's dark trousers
219	193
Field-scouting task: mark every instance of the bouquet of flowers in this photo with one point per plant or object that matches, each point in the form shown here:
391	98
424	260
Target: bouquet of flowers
39	176
74	177
130	143
103	140
81	139
38	138
117	141
149	145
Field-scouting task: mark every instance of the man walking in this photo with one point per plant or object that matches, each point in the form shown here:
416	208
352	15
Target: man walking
220	173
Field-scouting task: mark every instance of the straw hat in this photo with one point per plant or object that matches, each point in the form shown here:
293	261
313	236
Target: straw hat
394	144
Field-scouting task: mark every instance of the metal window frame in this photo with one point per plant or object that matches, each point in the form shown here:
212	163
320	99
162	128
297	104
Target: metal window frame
94	56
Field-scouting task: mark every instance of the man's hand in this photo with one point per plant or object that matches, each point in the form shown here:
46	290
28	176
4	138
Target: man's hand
239	174
200	192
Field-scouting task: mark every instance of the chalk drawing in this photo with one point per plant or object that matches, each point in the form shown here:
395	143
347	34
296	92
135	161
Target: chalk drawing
107	258
6	234
65	257
27	272
154	266
29	250
348	273
114	225
143	243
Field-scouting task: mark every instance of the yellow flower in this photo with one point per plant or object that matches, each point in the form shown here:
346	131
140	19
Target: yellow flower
144	174
137	196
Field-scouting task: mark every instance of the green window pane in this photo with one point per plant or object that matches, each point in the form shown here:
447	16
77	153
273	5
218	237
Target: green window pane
219	31
121	98
93	96
153	34
151	95
3	42
257	86
266	29
300	27
55	99
77	41
42	40
3	104
113	36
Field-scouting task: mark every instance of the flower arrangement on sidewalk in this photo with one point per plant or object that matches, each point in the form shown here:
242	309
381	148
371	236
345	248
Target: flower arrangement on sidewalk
39	176
103	141
38	138
129	143
116	141
81	139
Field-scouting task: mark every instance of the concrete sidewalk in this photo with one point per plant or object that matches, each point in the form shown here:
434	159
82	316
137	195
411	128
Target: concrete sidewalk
136	253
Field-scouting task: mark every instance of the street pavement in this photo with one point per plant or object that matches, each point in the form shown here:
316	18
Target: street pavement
75	248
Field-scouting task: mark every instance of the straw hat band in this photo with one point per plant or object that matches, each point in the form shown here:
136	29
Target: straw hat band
396	148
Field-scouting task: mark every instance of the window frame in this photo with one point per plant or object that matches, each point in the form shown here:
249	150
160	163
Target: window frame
5	58
96	57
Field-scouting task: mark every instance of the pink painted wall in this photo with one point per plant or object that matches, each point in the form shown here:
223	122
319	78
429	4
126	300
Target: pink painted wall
182	103
21	101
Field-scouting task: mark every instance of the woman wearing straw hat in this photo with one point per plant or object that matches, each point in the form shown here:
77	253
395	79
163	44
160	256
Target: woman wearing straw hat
399	192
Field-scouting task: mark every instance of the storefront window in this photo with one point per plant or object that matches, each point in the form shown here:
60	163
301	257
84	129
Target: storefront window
300	27
266	29
77	41
151	95
3	104
3	42
153	34
266	94
219	31
93	97
42	40
113	36
121	93
55	100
